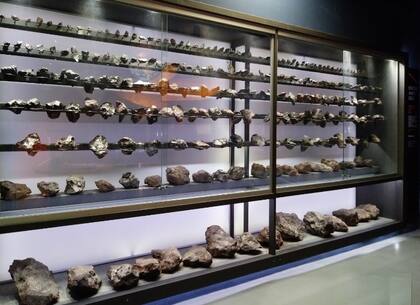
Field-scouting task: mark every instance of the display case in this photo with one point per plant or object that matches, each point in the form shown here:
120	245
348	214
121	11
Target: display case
259	143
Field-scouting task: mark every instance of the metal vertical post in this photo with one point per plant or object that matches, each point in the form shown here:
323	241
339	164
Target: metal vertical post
232	154
246	139
273	147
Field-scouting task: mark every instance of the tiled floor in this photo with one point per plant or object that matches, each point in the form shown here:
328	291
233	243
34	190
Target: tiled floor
384	273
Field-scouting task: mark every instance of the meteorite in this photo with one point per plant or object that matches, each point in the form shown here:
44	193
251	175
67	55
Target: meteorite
16	106
220	143
219	243
197	256
13	191
177	175
82	281
248	244
215	113
199	145
192	114
104	186
121	109
122	276
237	140
257	140
178	113
107	110
66	143
48	189
259	171
178	144
169	259
69	77
35	283
147	268
30	143
74	185
220	175
152	114
73	112
236	173
129	181
202	176
127	145
137	114
99	146
9	72
153	181
151	148
54	109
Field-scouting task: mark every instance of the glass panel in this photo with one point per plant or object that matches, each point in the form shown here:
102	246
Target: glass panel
311	93
182	89
346	104
377	115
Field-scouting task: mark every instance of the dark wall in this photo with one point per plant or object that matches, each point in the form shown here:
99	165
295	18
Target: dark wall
387	25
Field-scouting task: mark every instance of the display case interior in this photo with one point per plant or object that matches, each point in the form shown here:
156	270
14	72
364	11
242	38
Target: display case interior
108	105
338	114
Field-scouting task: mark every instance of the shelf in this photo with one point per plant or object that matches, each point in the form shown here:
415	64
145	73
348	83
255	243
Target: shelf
162	46
42	108
300	68
93	198
139	41
237	115
155	289
214	74
115	146
56	56
167	145
141	88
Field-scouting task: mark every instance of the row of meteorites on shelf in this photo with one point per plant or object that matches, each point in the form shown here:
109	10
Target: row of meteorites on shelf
134	39
71	78
179	175
91	107
84	281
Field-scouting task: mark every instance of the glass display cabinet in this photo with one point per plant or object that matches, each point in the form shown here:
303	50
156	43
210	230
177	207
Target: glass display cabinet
260	143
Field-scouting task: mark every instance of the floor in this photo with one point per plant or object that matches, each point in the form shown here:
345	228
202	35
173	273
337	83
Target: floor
382	273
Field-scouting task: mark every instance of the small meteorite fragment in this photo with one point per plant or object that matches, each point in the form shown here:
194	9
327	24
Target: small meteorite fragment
48	189
129	181
121	109
91	107
74	185
54	109
104	186
30	143
99	146
107	110
127	145
67	143
73	112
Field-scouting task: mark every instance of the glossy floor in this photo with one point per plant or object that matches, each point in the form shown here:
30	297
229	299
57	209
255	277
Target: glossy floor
383	273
